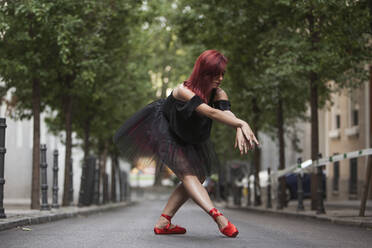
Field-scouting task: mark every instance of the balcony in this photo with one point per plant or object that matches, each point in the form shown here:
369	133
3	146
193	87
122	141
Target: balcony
352	131
334	134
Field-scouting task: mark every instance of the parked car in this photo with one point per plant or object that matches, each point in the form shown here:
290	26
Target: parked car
291	186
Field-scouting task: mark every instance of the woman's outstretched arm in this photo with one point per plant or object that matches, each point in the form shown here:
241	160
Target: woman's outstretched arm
228	118
182	93
225	117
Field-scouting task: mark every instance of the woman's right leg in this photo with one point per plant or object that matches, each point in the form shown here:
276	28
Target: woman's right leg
175	201
200	196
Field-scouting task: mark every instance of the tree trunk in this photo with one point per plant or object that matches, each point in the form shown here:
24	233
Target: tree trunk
368	176
367	184
280	120
314	139
314	112
68	127
86	138
35	188
256	154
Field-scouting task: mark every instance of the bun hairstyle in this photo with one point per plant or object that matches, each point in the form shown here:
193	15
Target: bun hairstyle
208	65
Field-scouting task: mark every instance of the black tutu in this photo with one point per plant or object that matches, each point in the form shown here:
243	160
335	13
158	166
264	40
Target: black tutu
148	134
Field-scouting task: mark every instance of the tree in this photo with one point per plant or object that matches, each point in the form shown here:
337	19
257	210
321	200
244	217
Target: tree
328	47
238	29
93	51
64	46
282	43
24	67
169	62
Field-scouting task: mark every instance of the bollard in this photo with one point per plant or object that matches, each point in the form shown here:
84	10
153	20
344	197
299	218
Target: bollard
90	178
87	191
279	204
71	189
268	203
44	185
82	183
96	183
300	191
105	188
126	186
320	209
125	177
2	154
249	202
122	185
237	194
55	179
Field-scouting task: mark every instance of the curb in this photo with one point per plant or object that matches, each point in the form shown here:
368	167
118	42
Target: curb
49	217
323	217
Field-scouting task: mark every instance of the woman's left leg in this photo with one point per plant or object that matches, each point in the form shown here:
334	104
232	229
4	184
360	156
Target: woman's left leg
175	201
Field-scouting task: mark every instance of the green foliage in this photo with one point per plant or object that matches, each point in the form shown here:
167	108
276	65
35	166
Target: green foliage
271	53
83	49
113	57
98	49
23	51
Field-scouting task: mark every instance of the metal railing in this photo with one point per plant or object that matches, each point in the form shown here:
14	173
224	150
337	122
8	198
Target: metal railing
307	166
90	180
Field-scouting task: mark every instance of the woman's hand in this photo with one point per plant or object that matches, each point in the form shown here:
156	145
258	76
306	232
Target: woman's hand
248	140
241	142
249	135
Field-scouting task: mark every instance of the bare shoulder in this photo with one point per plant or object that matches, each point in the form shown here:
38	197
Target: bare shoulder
221	95
182	93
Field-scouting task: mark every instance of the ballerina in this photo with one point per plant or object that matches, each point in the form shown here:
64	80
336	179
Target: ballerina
176	132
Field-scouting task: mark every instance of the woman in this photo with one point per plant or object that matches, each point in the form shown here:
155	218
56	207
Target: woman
175	132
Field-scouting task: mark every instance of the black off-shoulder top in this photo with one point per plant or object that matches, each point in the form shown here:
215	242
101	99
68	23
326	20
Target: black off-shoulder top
185	122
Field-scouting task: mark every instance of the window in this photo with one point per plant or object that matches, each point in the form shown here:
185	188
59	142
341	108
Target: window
336	175
355	121
338	121
353	176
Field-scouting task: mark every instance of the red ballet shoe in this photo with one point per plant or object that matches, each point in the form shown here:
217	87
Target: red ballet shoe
229	230
167	229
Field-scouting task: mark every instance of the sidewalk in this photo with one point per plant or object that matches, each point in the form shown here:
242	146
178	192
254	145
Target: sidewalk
343	212
21	216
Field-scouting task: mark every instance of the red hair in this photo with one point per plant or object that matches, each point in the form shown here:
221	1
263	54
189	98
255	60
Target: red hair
209	64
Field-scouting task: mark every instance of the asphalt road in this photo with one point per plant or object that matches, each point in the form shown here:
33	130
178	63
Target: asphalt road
133	227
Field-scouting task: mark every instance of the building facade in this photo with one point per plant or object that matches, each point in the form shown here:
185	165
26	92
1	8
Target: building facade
344	126
347	128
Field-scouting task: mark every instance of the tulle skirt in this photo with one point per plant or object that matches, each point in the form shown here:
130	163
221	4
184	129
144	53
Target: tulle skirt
147	135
